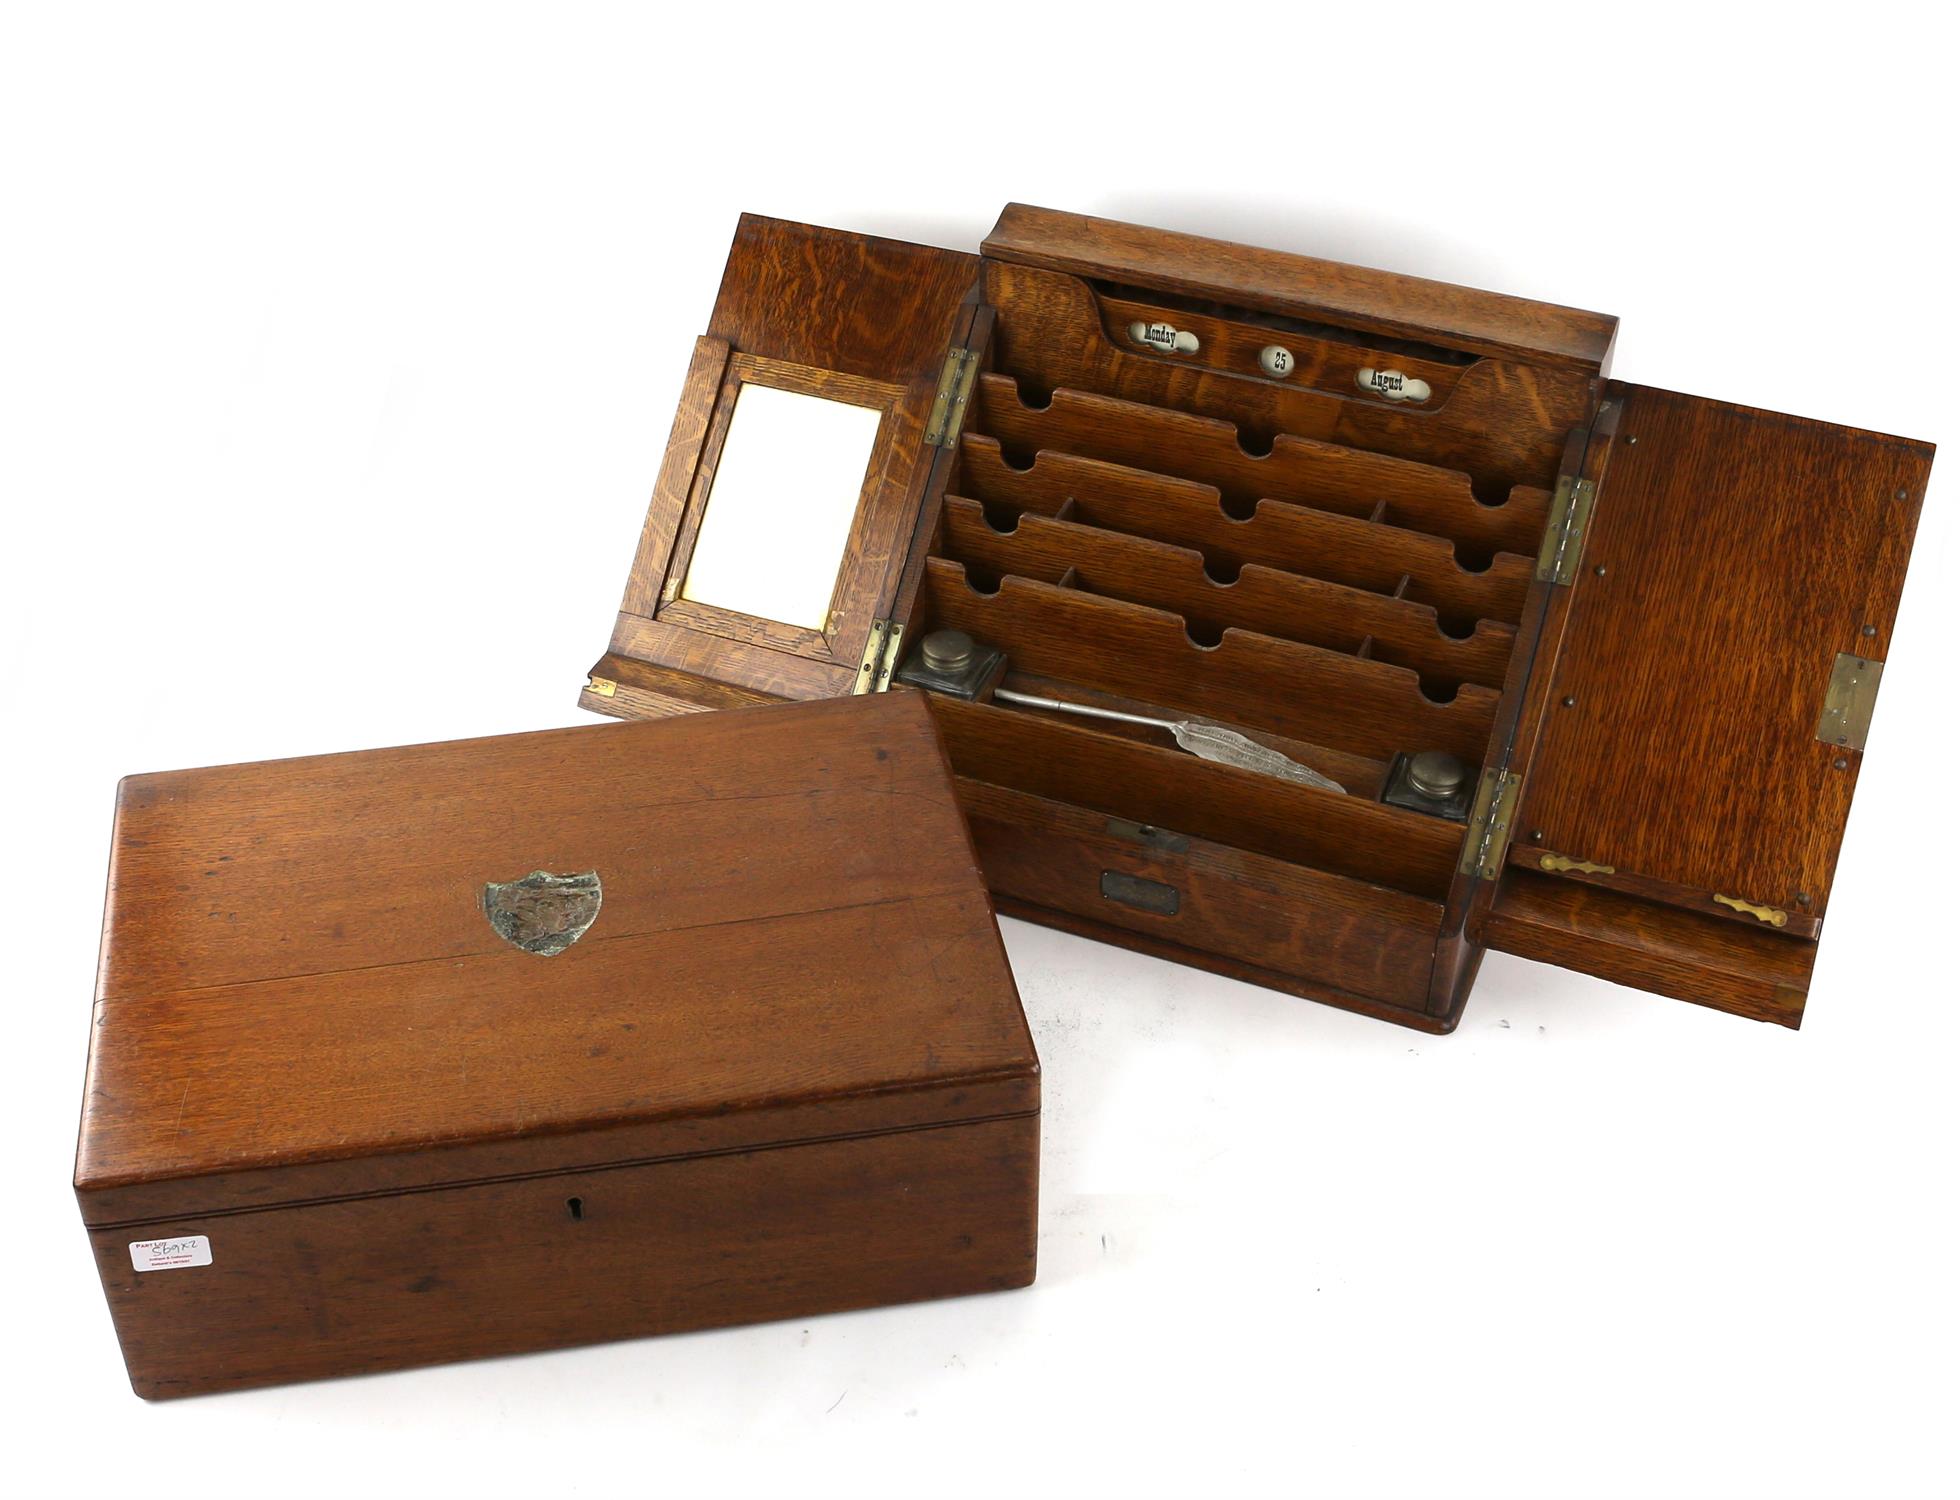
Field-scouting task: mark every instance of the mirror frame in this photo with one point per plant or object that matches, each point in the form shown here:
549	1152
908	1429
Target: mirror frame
854	596
658	626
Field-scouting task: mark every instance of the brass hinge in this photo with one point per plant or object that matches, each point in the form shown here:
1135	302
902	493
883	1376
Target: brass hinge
1565	530
880	657
1848	700
1489	833
956	378
602	686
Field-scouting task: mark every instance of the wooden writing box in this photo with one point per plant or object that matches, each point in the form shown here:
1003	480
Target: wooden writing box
360	1095
1356	515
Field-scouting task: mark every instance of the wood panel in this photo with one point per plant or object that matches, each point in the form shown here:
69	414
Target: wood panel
1346	550
728	661
623	688
1321	360
1356	940
1071	762
1302	286
1246	680
1280	604
1323	476
1733	554
1682	954
855	303
420	1278
1521	709
678	466
1535	856
1499	421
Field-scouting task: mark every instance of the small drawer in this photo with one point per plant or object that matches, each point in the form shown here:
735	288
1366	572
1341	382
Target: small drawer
1323	932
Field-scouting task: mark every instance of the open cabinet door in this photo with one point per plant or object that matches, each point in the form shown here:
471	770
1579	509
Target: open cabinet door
793	482
1701	694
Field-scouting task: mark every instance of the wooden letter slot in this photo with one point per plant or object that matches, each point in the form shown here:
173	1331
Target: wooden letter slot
1405	538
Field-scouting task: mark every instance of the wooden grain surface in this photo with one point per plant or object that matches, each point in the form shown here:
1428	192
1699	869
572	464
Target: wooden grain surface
1350	550
679	464
854	303
729	660
371	1284
1290	606
1323	476
1500	421
1321	358
1363	941
296	967
1302	286
1306	987
1535	856
1077	762
1741	552
1681	954
624	688
1521	709
1245	680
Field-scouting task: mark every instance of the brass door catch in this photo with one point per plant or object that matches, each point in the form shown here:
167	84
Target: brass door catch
1767	914
1558	863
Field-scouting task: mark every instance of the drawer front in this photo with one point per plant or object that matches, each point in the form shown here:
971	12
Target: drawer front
1350	944
537	1263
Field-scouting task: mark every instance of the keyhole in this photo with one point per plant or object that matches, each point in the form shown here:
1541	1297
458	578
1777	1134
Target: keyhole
576	1206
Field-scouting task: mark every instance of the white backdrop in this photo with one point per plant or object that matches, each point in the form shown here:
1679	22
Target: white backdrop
339	348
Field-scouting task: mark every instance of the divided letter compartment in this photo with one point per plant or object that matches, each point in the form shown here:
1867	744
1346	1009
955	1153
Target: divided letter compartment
1353	516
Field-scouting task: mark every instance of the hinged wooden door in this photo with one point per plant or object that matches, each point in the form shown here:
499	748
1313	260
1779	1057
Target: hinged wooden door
840	343
1694	721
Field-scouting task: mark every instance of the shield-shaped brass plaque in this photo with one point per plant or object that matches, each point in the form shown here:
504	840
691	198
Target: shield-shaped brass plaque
543	913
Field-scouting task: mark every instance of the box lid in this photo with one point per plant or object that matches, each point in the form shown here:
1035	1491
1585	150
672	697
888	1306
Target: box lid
311	983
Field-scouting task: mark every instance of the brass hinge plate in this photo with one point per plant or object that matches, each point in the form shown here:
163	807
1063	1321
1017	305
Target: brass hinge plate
1848	701
602	686
880	657
1489	833
1565	530
956	379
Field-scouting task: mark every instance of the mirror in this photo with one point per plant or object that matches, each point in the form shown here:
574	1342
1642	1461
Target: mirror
779	510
